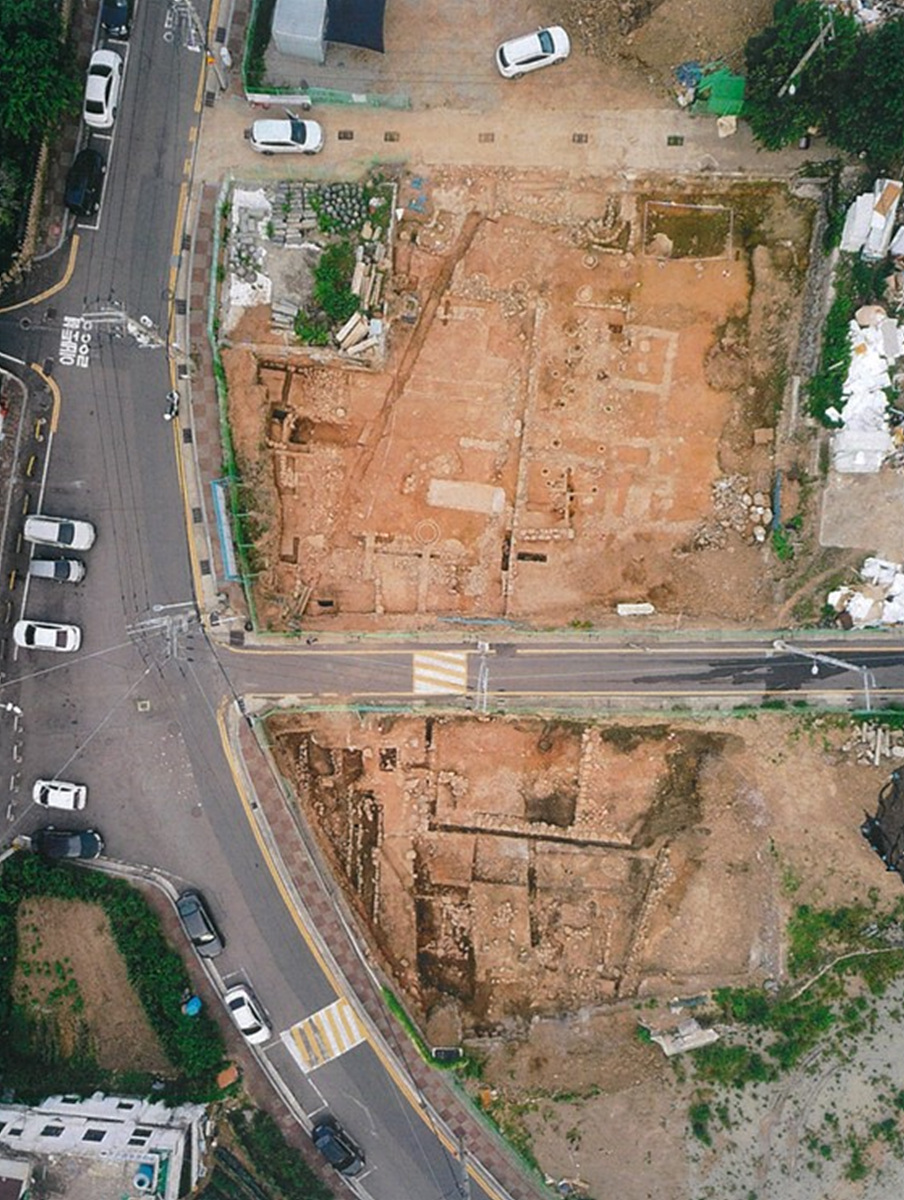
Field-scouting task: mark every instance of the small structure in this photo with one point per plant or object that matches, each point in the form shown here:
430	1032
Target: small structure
870	220
15	1176
885	831
301	28
124	1146
690	1035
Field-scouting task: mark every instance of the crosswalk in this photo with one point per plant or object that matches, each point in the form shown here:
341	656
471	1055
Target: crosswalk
324	1036
438	671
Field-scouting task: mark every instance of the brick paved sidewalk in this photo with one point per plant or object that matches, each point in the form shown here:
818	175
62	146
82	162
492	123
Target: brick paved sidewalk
434	1085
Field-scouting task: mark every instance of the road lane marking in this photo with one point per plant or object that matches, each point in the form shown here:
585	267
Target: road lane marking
439	672
323	1036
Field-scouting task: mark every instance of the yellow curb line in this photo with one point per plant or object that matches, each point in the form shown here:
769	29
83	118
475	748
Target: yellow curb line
57	287
55	392
389	1066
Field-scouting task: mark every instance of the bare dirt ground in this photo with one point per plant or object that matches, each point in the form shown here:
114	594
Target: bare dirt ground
589	361
532	884
70	974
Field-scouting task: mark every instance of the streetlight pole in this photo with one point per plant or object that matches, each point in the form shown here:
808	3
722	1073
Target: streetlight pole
865	673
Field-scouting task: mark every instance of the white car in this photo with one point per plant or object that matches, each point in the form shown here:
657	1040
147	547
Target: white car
519	55
102	89
44	635
245	1011
56	793
59	531
286	137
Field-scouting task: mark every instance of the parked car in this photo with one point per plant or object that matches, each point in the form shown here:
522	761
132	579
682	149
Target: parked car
287	137
199	924
63	532
51	842
57	793
62	570
337	1147
47	635
246	1012
519	55
85	182
102	89
116	17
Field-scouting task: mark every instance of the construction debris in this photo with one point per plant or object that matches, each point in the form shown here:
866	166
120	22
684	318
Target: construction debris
873	743
878	601
869	13
865	441
870	220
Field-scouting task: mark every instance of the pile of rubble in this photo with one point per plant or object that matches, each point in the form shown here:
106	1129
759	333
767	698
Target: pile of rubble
294	214
869	12
879	600
736	509
872	743
248	285
865	441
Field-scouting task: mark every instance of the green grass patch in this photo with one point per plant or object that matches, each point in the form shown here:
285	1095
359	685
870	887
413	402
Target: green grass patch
29	1063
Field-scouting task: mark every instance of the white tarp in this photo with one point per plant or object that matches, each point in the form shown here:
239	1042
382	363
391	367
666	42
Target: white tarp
862	445
879	601
298	28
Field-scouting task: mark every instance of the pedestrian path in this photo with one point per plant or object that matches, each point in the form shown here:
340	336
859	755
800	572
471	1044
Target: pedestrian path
440	671
326	1035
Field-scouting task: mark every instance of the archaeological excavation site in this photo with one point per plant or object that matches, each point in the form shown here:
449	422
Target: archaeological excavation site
487	394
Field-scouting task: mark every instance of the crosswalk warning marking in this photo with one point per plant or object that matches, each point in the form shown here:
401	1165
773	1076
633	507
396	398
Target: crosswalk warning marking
437	671
324	1035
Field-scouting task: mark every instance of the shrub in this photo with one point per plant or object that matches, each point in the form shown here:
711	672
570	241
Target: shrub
193	1045
273	1158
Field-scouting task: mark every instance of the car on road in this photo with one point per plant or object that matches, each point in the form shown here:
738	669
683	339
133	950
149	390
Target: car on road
116	18
47	635
61	570
63	532
199	924
51	842
85	182
246	1012
337	1147
57	793
519	55
102	89
287	137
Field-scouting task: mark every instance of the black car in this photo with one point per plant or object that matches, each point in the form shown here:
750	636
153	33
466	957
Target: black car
199	924
51	842
85	182
116	17
337	1147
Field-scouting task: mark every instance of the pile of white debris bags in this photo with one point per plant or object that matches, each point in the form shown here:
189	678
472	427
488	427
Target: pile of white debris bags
865	439
878	601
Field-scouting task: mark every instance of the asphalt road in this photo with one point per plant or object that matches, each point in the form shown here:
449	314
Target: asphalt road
134	713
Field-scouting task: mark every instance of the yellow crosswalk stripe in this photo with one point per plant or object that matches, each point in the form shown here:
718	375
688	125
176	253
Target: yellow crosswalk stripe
324	1035
438	671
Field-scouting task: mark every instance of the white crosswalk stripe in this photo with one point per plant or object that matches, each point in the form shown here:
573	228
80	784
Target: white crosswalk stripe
437	671
323	1036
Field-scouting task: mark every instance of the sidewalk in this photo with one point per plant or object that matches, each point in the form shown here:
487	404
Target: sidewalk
283	833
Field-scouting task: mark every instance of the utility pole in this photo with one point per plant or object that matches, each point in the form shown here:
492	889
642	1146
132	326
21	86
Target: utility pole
869	680
826	33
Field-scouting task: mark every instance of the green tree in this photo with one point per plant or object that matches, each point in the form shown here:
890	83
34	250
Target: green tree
38	81
865	115
773	55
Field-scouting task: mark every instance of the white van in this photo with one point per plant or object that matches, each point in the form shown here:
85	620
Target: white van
63	570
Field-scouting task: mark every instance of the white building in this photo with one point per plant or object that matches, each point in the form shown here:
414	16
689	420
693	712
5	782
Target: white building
107	1147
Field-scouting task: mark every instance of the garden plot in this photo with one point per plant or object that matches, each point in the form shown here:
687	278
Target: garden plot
575	372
